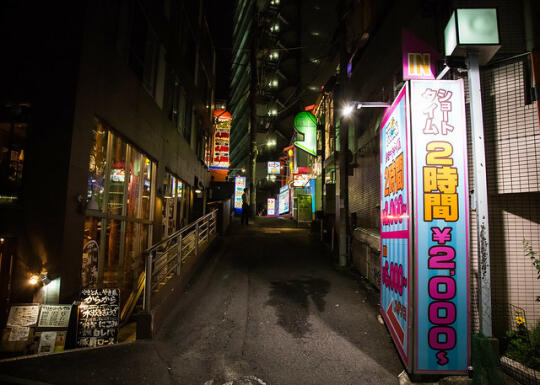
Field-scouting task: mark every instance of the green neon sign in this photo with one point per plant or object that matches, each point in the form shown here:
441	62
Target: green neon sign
306	132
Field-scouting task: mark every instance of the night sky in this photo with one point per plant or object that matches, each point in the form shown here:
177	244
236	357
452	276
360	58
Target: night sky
219	14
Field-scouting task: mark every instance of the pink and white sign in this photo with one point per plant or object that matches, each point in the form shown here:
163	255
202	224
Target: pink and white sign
418	58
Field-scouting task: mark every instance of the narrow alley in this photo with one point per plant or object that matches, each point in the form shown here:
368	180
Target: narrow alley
267	307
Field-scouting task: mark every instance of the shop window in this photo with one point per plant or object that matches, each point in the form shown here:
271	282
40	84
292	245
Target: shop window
91	242
176	206
146	188
169	207
98	160
13	134
134	186
117	178
119	212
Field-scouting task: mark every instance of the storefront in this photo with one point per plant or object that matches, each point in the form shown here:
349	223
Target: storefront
118	225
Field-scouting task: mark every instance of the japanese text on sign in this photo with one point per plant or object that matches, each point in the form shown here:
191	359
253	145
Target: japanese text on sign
439	138
98	317
395	285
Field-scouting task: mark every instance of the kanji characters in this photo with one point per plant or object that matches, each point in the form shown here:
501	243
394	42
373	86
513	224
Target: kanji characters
440	183
440	99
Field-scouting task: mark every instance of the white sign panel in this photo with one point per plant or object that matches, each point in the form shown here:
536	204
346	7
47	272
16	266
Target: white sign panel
54	316
23	315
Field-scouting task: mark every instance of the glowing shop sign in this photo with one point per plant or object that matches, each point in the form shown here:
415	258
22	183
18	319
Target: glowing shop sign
441	226
222	133
395	237
270	207
283	200
418	58
306	127
239	186
300	180
274	168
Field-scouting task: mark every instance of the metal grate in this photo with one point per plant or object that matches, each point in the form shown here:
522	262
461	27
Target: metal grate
512	142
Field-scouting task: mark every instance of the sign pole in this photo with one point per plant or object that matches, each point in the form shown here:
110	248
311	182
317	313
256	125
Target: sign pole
480	195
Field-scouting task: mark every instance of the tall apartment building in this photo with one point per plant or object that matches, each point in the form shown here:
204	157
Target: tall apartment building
294	51
105	121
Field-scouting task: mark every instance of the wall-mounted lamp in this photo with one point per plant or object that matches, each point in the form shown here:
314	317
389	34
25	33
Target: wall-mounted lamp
34	279
472	30
349	108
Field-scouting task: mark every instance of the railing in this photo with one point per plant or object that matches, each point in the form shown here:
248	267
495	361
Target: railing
164	260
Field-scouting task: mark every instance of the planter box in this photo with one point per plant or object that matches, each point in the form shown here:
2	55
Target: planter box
520	372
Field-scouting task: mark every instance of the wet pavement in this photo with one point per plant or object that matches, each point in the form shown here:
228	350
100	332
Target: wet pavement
267	308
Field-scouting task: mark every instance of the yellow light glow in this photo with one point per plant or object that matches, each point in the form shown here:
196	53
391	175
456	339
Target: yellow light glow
290	152
33	280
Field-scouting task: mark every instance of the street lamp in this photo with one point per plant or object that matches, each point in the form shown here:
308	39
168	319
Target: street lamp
473	33
349	108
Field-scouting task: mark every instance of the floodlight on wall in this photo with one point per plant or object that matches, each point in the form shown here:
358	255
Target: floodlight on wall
349	108
472	30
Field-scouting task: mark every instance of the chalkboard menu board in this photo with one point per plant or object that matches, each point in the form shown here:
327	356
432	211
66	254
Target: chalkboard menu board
98	317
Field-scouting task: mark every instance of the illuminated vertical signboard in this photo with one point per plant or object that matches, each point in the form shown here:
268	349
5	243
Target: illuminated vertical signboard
418	57
424	226
274	168
283	200
441	226
305	124
271	207
220	152
239	186
395	235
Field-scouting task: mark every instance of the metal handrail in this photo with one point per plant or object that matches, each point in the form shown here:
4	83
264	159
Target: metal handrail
164	259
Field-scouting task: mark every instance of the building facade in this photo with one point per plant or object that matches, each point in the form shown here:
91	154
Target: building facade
371	70
109	111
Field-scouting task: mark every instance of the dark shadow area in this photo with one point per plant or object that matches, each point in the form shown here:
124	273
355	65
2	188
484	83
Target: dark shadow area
291	301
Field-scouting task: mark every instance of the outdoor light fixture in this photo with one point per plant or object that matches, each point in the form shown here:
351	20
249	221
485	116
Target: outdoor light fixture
347	111
472	30
198	191
243	170
358	105
34	279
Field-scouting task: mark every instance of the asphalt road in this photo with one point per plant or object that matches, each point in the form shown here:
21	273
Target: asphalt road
267	308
